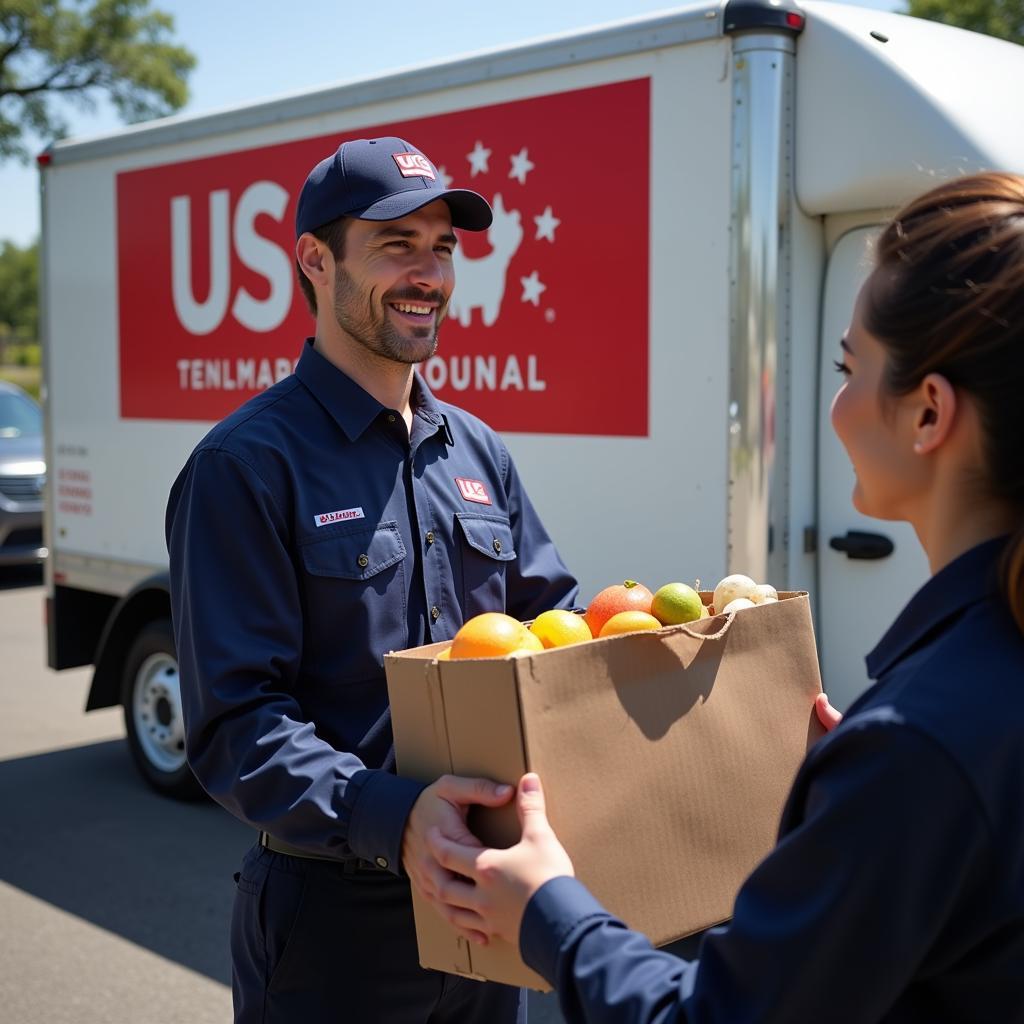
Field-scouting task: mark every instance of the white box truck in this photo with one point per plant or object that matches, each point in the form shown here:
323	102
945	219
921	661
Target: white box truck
684	205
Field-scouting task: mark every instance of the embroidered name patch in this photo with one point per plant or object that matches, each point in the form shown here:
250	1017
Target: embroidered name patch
324	518
473	490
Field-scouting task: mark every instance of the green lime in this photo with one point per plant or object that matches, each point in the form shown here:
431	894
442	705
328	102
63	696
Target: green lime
675	603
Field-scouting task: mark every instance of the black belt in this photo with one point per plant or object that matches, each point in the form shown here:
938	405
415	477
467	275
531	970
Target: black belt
349	865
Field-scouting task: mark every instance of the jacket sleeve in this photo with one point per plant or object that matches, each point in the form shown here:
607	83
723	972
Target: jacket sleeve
538	578
238	627
833	924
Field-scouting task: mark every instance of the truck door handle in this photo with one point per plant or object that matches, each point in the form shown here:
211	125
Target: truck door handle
857	544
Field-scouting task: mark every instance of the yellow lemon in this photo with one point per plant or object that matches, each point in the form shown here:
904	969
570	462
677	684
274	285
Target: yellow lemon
629	622
559	627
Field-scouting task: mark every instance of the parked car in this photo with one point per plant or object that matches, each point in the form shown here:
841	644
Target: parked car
22	478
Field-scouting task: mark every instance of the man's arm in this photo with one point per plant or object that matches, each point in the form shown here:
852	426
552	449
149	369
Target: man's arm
238	627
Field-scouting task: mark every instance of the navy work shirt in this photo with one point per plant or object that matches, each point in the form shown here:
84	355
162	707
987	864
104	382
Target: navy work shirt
309	534
896	891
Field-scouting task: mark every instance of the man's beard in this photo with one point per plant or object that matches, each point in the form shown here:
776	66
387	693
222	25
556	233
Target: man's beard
358	317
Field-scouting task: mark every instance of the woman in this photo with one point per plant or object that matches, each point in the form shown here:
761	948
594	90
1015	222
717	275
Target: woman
896	891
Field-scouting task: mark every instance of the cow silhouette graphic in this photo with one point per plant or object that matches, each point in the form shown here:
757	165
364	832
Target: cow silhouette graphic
480	283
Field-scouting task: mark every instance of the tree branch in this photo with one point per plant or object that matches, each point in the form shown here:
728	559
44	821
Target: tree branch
47	85
14	46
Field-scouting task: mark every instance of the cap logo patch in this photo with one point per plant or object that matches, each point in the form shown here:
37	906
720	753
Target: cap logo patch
414	165
473	490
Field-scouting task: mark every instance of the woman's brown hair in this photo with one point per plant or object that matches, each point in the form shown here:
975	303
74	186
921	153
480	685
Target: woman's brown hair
947	297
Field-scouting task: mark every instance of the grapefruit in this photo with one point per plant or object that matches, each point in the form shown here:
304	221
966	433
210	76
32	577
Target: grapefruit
629	622
559	627
623	597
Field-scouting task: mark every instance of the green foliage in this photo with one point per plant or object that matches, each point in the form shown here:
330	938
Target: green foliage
1001	18
30	378
19	293
51	50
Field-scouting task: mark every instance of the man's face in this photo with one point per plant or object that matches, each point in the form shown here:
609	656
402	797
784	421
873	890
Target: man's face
392	287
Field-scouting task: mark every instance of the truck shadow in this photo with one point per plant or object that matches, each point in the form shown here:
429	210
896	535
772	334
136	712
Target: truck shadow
80	831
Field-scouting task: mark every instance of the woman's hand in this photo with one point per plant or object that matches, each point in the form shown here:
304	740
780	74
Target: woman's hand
827	715
488	890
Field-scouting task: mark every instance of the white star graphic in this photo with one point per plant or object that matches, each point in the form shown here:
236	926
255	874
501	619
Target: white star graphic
532	288
446	178
546	224
521	166
478	159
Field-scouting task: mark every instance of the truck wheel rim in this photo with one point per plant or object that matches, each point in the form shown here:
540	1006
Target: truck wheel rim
156	712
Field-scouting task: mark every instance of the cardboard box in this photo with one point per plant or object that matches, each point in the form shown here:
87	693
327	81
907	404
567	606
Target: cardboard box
666	758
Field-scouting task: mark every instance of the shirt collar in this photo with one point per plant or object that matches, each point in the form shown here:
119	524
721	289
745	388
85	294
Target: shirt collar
352	408
950	592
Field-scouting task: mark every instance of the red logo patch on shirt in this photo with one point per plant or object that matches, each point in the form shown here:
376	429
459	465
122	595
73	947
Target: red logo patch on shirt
414	165
473	490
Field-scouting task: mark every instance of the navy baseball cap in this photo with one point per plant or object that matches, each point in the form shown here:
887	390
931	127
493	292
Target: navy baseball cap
381	179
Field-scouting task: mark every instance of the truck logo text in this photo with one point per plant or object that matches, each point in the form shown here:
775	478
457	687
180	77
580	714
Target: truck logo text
257	253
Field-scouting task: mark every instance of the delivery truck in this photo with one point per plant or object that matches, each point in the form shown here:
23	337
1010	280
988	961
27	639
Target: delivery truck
684	205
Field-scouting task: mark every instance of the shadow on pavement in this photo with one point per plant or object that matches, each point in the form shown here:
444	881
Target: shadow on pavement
82	832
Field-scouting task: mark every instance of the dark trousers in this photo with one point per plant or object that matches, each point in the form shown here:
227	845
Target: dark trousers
312	944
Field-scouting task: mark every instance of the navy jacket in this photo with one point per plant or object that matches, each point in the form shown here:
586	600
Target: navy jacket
896	890
309	534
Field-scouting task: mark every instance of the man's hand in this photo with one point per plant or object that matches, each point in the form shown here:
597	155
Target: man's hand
495	885
442	806
827	715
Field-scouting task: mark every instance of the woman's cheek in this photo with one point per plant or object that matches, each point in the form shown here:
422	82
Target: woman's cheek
837	413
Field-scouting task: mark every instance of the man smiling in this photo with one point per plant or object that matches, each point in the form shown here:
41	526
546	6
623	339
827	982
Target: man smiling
343	513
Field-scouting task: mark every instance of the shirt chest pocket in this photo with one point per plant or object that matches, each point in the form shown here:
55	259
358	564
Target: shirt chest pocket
356	595
486	548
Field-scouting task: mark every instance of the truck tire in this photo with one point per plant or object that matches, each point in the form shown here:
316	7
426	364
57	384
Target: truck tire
152	713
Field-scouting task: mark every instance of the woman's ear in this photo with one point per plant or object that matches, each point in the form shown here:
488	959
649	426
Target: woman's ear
935	413
311	254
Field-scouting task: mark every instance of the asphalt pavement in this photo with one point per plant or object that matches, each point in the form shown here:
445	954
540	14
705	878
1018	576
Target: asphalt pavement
115	902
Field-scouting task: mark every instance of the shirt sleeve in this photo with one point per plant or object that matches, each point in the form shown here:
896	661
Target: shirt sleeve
538	578
890	844
238	627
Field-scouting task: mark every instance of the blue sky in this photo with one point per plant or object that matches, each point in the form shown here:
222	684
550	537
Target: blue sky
249	50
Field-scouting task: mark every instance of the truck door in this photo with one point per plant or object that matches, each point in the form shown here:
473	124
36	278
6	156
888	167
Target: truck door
860	589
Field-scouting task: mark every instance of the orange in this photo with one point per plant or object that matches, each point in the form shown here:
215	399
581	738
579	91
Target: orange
628	596
445	654
559	627
492	635
629	622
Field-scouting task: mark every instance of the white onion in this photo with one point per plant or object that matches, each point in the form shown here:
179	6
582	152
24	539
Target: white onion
730	588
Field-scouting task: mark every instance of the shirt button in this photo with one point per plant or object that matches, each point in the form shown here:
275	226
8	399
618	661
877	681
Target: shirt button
435	613
391	417
430	536
381	862
497	547
363	561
